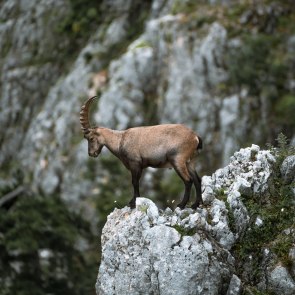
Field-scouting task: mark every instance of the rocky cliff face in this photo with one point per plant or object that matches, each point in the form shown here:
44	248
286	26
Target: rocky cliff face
241	240
150	62
30	60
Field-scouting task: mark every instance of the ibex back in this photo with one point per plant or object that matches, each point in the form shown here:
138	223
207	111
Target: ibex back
160	146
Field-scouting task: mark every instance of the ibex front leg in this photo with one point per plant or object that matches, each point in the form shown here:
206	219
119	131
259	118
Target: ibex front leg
136	174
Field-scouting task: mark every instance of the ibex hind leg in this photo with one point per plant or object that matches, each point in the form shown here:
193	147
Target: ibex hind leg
182	171
185	199
198	184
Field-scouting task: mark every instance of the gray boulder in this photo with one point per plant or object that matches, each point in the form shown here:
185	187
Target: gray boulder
150	252
235	286
288	169
281	282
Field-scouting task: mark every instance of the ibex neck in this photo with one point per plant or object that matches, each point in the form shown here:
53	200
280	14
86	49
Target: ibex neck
112	139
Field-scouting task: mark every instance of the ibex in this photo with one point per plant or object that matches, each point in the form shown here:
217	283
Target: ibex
160	146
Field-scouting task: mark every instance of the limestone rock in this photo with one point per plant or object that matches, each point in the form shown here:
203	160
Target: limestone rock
235	286
292	257
29	63
143	257
288	169
281	282
249	172
151	251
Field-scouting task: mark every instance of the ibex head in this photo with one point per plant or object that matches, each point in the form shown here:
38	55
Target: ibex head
95	141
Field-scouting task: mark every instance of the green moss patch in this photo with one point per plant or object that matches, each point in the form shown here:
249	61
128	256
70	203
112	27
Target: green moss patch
185	231
276	233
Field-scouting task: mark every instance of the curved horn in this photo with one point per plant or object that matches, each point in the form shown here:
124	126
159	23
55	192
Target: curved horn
84	120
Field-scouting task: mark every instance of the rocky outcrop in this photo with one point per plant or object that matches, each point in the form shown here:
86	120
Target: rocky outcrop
288	169
153	254
152	251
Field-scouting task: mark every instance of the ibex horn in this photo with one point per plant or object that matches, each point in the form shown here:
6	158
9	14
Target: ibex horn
84	120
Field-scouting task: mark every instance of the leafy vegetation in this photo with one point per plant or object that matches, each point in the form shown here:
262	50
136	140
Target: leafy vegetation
39	249
183	6
86	17
282	151
264	63
221	194
143	44
276	210
143	208
285	109
82	20
257	71
185	231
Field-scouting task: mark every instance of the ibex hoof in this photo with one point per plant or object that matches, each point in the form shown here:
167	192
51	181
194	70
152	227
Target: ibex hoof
196	205
131	205
181	206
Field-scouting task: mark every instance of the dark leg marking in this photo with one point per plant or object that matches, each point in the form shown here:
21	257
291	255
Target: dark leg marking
187	193
197	183
136	174
182	171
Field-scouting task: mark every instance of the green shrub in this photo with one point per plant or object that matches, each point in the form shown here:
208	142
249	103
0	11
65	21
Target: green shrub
185	231
82	19
249	65
281	151
285	109
276	209
184	6
263	63
37	223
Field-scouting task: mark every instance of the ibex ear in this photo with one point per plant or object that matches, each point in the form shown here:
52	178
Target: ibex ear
97	131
